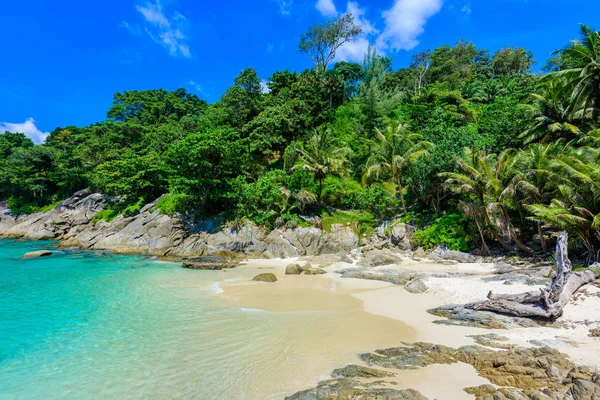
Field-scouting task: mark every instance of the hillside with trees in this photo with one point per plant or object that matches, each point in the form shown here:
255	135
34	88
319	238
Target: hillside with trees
471	147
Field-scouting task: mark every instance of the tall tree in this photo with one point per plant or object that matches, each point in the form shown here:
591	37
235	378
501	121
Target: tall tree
321	41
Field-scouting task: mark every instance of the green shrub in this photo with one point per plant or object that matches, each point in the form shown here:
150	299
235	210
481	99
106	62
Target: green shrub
452	230
171	204
106	215
360	222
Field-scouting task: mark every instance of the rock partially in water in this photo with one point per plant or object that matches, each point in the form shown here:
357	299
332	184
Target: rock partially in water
349	389
293	269
357	371
267	277
37	254
416	286
209	263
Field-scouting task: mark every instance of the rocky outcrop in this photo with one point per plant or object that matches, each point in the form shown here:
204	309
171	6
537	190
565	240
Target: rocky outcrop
516	373
210	263
267	277
153	233
459	315
37	254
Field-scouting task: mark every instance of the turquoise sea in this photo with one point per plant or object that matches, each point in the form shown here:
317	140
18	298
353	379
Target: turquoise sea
92	325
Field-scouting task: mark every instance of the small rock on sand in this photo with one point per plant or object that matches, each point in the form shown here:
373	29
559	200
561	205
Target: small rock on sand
268	277
415	286
293	269
37	254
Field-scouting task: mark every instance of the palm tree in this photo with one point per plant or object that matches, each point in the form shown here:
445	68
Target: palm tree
535	178
551	113
483	176
320	156
584	58
576	206
395	151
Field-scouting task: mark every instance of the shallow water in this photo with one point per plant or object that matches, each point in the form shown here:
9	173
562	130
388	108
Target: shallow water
81	325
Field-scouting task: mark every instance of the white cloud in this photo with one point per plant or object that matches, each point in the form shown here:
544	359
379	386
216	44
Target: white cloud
133	29
326	8
198	88
359	18
285	6
164	30
353	51
466	9
356	49
28	128
405	22
264	86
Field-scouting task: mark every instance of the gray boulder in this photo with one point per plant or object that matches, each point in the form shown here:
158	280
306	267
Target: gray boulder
443	253
416	286
37	254
402	235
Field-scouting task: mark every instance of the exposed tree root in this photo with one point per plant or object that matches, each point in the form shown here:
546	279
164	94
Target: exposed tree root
550	301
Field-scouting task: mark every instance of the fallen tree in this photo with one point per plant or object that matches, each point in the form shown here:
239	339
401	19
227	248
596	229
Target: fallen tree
548	302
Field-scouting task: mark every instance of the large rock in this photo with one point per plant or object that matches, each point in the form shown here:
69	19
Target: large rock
402	235
377	258
397	277
442	253
293	269
267	277
37	254
210	263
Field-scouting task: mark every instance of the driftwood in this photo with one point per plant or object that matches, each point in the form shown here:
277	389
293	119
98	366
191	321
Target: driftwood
548	302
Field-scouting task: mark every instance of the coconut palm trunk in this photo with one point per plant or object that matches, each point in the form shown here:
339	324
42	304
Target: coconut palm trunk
401	193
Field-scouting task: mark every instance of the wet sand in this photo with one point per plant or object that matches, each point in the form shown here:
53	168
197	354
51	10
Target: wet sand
374	315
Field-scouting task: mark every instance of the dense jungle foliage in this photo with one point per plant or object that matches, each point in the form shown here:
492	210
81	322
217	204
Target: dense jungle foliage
471	147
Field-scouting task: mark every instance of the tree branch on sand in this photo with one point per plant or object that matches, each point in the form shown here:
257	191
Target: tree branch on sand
549	302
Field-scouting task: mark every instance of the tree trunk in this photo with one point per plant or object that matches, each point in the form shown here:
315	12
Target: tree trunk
320	189
549	302
485	250
542	238
401	192
522	246
498	238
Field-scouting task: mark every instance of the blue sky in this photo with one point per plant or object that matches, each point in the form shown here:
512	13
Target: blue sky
63	60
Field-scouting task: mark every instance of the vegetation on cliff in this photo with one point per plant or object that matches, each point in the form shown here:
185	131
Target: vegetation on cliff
471	145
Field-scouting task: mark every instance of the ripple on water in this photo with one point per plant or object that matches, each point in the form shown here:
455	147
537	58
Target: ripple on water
81	325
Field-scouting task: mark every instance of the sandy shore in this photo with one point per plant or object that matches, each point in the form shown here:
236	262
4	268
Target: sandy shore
393	303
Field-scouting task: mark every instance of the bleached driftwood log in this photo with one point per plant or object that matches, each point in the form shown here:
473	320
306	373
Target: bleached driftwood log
550	301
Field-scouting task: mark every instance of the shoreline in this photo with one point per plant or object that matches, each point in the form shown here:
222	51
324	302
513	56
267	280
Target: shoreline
446	284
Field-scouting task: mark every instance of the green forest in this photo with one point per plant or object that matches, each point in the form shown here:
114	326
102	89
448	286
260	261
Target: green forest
471	147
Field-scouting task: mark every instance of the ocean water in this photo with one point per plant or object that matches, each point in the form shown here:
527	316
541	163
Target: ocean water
89	325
